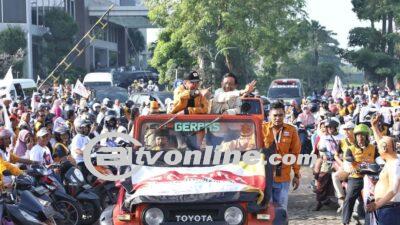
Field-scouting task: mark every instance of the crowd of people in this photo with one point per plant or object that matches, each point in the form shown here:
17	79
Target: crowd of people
347	133
142	86
352	131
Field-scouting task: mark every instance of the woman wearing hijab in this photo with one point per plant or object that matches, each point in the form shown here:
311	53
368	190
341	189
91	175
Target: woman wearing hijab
24	143
56	110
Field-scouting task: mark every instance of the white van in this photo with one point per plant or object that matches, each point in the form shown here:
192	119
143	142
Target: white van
97	79
21	87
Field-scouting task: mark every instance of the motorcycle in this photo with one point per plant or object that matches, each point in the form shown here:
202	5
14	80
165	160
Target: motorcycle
305	133
45	181
19	206
77	187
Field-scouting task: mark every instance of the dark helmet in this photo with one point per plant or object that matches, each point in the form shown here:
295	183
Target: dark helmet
314	107
69	101
129	104
110	119
49	119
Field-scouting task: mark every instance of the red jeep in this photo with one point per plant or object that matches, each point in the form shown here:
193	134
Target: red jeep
227	194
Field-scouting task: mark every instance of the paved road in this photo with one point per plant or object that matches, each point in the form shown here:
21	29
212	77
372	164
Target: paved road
302	202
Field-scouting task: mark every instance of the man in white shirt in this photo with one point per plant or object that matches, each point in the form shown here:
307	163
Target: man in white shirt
79	143
40	152
227	98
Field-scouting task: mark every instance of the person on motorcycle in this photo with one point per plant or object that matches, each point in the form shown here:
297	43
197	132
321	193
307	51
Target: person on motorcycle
9	156
40	152
79	143
328	147
96	108
361	152
306	122
345	143
61	150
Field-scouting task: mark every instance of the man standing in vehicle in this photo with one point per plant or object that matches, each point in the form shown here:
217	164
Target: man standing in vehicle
188	99
227	98
284	139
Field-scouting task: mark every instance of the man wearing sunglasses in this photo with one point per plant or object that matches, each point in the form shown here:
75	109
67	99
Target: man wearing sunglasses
188	99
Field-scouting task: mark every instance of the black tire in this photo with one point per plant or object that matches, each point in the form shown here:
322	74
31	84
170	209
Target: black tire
71	210
91	211
109	197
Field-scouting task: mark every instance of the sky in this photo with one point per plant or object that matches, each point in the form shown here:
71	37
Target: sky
335	15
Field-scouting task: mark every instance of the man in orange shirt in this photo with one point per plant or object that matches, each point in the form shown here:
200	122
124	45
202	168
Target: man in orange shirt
286	141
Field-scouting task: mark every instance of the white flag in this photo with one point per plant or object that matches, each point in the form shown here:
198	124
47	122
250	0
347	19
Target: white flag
338	91
80	89
7	81
38	79
60	90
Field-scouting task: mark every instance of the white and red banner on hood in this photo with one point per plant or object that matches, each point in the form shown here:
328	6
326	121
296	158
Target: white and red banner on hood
204	183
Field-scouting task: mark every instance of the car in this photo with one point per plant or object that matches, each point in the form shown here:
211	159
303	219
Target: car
111	93
139	98
98	79
22	88
286	90
190	194
126	78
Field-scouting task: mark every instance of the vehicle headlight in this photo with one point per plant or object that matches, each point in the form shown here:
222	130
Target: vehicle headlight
153	216
233	215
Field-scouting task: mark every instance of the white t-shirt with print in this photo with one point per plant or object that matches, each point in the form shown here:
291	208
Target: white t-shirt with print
78	142
41	154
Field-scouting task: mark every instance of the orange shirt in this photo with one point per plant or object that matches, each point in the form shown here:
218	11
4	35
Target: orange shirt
289	144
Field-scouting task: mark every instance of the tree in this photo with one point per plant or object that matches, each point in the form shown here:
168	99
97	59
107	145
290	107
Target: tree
7	60
245	33
12	39
60	38
316	60
377	55
137	43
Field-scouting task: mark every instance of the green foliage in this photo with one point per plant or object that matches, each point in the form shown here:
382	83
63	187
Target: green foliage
316	61
241	33
137	43
376	57
12	39
60	38
366	37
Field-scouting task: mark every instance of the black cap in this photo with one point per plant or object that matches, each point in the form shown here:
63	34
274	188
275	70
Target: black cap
193	76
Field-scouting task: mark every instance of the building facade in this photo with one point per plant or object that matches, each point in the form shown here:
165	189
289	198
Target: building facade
108	49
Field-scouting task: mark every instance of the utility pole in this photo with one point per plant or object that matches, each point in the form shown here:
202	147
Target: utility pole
29	38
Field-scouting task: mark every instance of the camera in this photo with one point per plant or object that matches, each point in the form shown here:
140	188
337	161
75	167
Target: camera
278	170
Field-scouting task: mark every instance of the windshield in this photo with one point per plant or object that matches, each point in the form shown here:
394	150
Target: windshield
284	92
163	96
197	135
97	84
